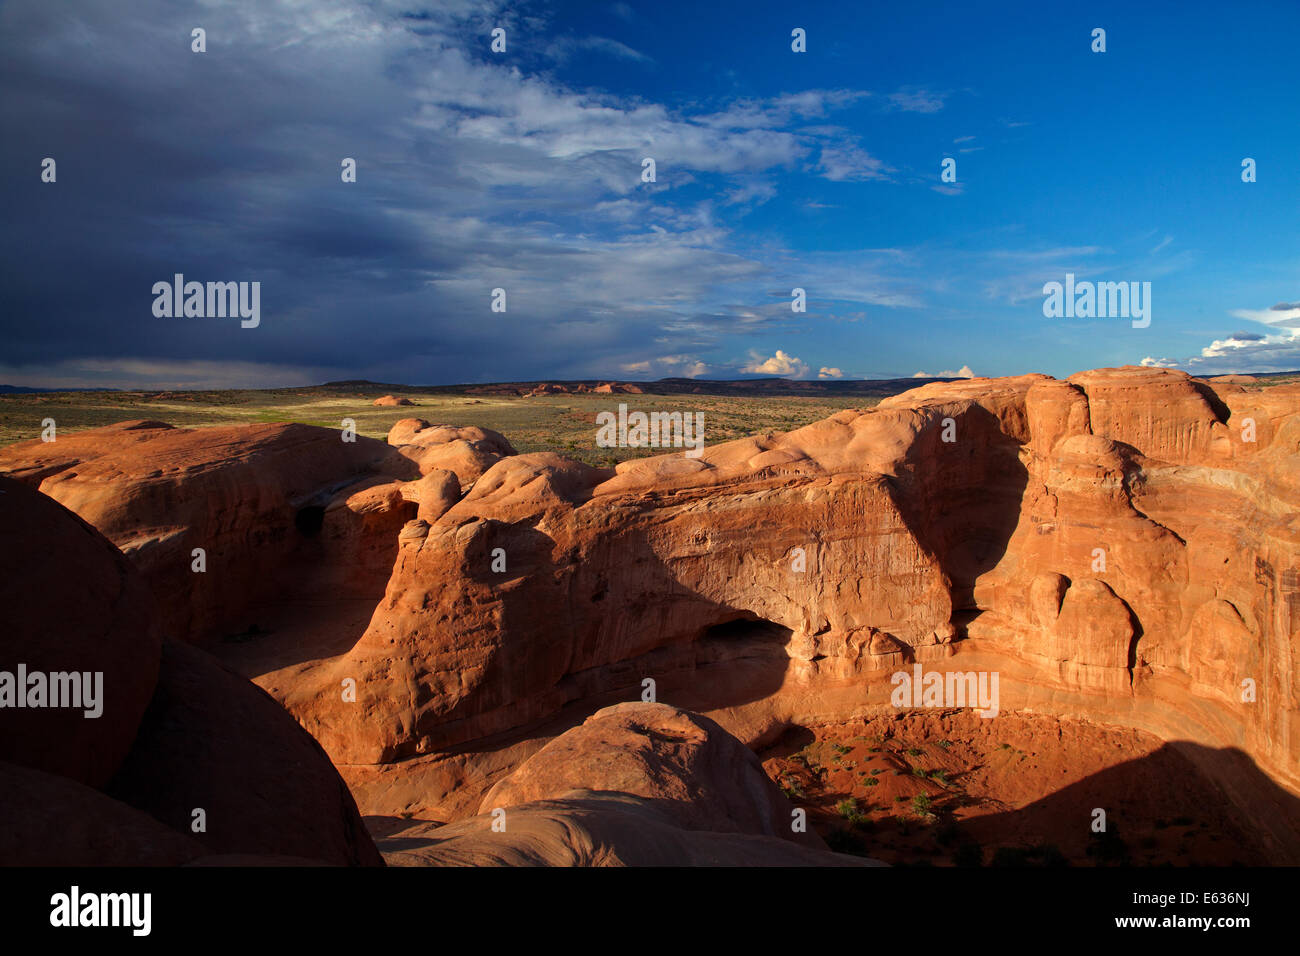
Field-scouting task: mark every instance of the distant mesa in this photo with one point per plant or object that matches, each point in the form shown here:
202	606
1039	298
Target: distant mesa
614	388
391	401
583	388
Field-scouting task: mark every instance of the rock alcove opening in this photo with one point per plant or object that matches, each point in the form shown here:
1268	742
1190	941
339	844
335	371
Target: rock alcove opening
749	629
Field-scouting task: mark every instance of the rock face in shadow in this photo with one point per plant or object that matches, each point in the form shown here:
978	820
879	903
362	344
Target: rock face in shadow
54	821
637	784
74	608
210	740
175	731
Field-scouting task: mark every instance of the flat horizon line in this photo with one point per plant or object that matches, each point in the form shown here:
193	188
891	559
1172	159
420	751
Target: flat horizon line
772	380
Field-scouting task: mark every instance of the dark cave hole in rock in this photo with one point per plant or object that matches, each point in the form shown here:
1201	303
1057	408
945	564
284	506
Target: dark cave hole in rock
309	520
747	638
749	629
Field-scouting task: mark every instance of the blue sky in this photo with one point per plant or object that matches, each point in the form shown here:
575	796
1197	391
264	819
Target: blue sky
522	170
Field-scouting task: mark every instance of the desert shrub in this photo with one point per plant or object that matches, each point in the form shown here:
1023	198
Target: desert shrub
921	804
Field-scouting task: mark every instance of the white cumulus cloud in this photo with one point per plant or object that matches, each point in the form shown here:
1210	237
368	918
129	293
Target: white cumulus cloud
963	372
781	364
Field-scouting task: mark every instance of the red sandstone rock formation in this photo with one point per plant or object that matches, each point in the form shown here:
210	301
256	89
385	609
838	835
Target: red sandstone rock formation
211	739
51	820
1121	545
681	763
391	401
94	613
637	785
250	496
912	548
186	734
466	451
587	828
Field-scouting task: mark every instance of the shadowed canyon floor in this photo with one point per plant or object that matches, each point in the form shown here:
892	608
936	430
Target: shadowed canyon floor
461	625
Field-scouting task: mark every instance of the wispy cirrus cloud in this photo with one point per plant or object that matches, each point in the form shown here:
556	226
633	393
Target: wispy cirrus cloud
564	48
916	100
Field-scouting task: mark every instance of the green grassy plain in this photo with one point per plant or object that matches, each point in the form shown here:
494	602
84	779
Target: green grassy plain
561	423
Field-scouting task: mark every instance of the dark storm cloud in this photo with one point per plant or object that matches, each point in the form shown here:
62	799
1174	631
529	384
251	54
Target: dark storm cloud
224	166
